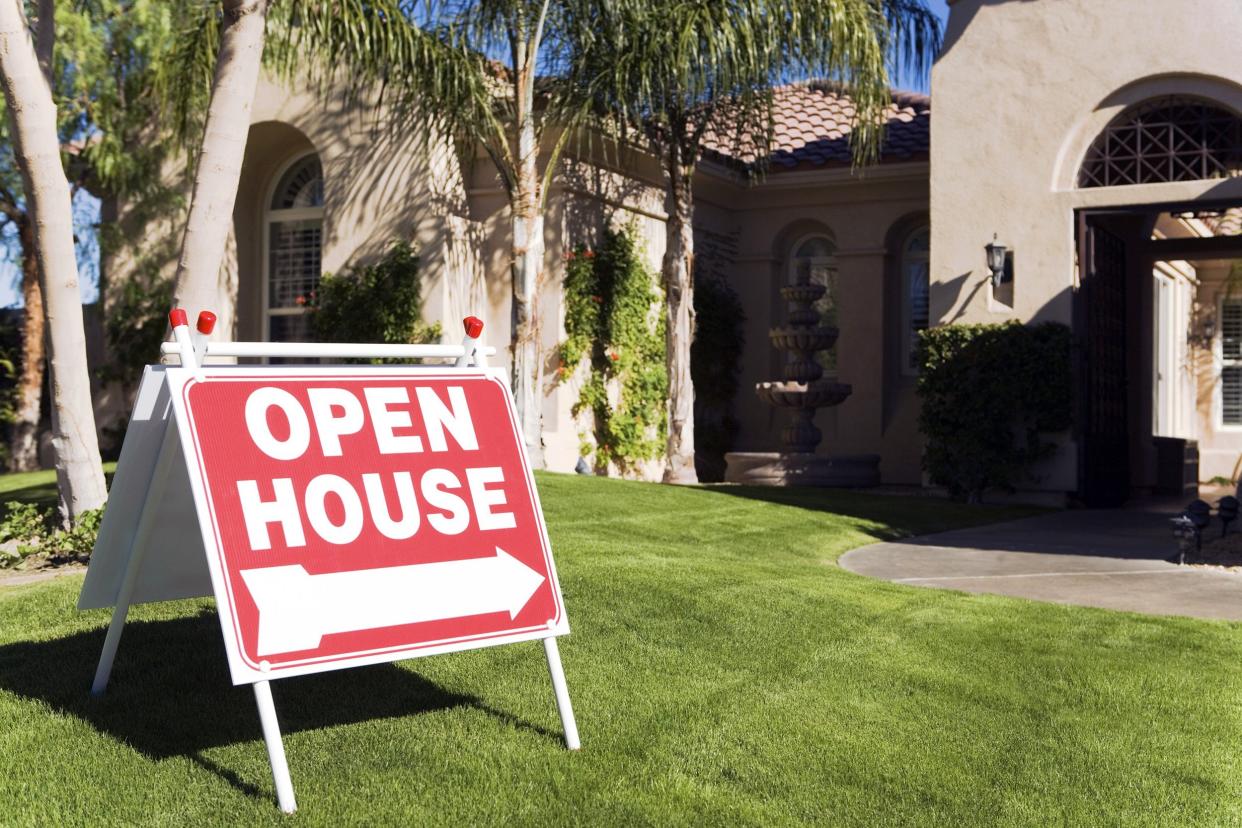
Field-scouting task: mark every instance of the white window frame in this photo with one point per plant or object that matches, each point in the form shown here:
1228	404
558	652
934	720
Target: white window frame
1219	365
904	258
270	217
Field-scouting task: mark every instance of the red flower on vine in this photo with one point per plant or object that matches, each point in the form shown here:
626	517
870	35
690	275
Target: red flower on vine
590	254
597	299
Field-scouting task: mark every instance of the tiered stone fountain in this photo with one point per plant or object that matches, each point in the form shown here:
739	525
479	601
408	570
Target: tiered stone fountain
802	392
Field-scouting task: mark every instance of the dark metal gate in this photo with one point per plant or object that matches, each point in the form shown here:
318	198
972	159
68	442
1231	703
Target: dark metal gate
1104	434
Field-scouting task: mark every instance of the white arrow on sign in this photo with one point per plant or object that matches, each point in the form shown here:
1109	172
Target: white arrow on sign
296	609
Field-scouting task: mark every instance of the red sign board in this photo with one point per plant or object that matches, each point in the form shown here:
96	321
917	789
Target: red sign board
359	515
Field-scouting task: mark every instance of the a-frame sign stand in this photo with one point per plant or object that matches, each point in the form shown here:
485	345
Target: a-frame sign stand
281	610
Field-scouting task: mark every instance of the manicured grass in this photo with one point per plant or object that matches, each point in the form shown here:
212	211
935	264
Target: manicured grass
724	671
35	487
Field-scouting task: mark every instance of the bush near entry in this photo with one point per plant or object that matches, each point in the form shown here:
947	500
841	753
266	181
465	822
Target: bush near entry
379	303
990	394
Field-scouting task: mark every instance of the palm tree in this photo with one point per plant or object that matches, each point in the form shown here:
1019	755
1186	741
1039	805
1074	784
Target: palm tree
686	69
210	83
25	77
495	74
218	169
520	93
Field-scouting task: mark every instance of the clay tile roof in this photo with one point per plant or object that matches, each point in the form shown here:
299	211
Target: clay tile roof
812	128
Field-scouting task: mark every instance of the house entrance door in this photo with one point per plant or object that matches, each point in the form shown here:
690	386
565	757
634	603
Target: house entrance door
1104	460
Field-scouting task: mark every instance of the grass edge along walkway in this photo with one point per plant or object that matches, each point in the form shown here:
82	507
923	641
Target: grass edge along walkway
723	670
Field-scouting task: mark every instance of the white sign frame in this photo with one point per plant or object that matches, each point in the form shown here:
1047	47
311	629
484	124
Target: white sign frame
158	446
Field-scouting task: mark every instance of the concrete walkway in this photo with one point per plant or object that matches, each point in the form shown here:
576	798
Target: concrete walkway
1114	559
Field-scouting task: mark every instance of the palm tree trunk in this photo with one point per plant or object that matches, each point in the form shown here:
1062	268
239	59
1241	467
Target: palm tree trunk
527	366
679	331
24	448
32	117
528	253
199	285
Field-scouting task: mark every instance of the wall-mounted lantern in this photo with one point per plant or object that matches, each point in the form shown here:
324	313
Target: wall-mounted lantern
996	260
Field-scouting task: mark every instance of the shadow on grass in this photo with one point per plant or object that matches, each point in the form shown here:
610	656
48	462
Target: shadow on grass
896	516
171	695
41	494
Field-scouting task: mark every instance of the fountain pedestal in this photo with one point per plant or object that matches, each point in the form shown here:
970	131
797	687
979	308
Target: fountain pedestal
802	392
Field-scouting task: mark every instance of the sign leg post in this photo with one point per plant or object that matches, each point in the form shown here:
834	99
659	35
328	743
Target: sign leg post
275	747
568	724
137	548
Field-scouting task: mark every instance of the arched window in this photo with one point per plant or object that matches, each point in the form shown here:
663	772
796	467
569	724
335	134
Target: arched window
814	262
915	294
1165	139
294	226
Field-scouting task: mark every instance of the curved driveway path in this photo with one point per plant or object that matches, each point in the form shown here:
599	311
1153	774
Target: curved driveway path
1114	559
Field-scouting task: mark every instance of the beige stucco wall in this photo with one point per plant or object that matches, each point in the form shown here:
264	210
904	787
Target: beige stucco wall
1021	89
380	187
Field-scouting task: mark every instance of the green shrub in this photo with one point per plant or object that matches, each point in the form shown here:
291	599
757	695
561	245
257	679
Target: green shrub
379	303
715	354
23	521
990	394
135	325
77	541
28	530
615	316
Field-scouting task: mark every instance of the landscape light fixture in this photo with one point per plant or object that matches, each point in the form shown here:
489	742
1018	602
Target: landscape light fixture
996	260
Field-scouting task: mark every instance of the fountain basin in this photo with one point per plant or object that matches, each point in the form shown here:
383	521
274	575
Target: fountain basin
803	293
803	339
802	395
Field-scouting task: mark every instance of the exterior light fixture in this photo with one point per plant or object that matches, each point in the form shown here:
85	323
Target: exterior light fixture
996	260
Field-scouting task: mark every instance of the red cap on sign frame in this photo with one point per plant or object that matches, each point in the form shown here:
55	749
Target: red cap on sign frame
177	317
474	326
206	322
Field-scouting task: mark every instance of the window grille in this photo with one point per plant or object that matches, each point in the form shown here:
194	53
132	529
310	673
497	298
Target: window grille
916	294
301	186
1231	362
294	268
1165	139
295	249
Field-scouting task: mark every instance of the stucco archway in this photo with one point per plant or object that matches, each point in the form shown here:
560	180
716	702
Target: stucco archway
270	148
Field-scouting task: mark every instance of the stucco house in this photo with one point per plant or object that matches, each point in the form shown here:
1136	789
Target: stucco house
1099	141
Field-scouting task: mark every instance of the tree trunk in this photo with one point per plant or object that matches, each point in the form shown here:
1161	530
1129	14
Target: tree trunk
527	362
679	331
201	284
528	250
24	449
32	118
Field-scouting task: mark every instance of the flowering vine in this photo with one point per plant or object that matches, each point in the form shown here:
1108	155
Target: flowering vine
614	315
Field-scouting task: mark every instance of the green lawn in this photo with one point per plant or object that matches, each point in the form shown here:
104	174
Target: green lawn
35	487
724	671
